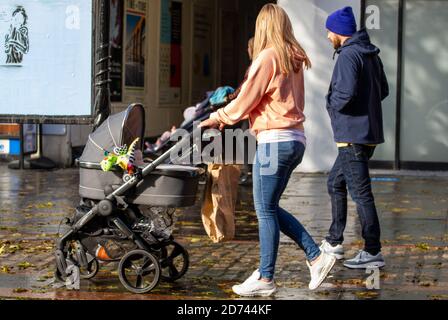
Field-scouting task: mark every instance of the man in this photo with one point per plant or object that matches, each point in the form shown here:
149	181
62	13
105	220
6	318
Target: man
354	100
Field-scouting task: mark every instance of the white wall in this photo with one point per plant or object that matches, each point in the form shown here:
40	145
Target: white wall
308	18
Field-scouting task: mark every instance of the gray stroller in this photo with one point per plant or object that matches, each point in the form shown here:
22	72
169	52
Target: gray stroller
127	218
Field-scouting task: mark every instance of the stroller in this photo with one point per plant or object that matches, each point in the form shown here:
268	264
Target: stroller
128	218
215	100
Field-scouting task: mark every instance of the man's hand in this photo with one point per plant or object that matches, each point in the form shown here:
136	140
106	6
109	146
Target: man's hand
211	123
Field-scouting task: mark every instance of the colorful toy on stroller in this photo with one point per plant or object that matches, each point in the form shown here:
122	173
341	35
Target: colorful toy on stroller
127	216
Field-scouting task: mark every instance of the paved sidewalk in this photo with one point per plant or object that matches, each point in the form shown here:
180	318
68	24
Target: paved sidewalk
413	214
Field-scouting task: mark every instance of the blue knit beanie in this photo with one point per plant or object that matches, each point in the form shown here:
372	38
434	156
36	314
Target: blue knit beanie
342	22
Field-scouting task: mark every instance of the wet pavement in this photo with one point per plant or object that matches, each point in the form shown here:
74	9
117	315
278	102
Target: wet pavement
413	213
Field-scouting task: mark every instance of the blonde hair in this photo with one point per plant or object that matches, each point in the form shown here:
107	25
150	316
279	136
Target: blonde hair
250	47
273	28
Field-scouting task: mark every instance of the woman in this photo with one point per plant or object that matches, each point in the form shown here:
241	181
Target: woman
273	98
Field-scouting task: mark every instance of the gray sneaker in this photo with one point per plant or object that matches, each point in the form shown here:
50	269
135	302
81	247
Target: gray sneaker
365	260
337	250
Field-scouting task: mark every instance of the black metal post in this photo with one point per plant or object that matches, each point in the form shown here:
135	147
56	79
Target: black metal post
397	162
102	54
363	14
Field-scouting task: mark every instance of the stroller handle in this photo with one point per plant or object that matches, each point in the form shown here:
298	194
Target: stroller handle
174	149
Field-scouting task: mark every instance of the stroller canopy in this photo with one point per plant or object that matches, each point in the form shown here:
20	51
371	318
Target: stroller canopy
118	130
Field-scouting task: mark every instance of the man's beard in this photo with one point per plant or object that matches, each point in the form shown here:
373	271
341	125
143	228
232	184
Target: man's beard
336	44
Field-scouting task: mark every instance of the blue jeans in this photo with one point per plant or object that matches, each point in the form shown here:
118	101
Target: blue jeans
351	171
273	166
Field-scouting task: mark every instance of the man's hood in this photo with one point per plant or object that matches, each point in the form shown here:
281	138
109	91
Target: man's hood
360	41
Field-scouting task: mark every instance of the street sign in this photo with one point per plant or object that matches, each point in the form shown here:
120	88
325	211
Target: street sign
4	146
10	147
47	58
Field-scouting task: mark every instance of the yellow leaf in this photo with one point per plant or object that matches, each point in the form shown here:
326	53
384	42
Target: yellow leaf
367	294
422	246
5	269
14	248
25	265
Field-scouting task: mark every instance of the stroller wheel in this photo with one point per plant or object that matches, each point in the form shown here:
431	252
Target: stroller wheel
139	271
84	273
174	261
90	271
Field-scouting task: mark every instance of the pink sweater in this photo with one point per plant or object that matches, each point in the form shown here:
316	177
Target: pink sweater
271	99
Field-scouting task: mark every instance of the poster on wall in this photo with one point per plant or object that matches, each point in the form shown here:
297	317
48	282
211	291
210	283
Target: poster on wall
202	52
46	55
29	138
170	65
116	49
135	50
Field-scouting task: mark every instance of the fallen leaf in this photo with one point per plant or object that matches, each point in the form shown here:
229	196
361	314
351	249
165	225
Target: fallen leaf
39	291
208	262
20	290
25	265
425	283
12	229
357	243
354	281
111	287
367	294
5	269
422	246
14	248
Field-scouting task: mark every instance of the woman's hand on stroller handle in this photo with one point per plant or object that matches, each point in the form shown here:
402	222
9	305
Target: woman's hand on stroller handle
212	123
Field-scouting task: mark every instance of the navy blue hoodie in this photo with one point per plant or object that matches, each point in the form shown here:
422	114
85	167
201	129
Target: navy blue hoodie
357	88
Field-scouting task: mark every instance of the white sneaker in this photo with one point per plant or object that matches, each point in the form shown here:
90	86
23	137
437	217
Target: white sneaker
320	269
253	287
337	250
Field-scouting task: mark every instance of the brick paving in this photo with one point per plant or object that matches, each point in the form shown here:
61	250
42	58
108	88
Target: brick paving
413	214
